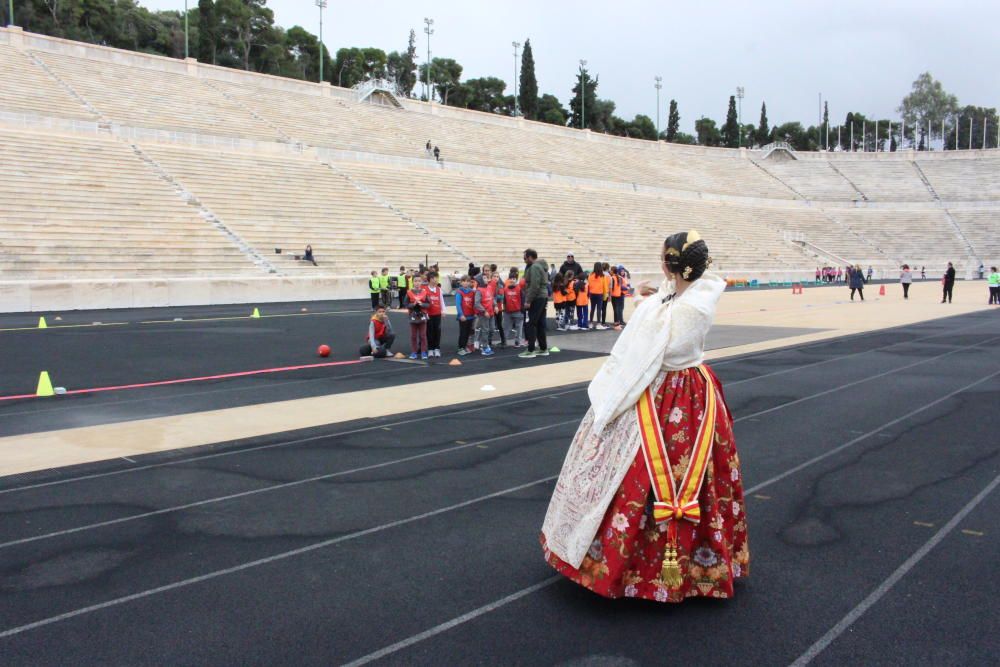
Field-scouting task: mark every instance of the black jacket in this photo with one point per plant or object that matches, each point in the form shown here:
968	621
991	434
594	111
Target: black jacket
571	266
949	276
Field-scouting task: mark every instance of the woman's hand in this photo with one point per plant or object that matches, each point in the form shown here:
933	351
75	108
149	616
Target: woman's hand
645	288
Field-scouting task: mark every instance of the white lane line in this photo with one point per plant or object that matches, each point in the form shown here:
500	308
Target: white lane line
893	579
10	632
285	485
281	556
381	653
850	443
299	441
283	443
277	487
868	379
438	629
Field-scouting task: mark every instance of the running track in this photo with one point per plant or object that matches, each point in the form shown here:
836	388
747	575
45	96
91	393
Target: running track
871	466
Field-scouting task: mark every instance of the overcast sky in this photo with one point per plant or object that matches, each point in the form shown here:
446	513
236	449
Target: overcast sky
861	55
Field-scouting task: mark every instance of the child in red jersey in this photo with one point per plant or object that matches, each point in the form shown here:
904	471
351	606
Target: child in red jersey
465	309
416	304
435	308
513	303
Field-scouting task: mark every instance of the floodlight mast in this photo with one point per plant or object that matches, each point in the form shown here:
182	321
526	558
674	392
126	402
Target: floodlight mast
10	13
658	85
739	97
516	46
185	24
428	30
583	96
322	5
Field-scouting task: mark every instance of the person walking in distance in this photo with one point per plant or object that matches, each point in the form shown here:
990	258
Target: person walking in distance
948	283
856	281
906	279
994	283
536	296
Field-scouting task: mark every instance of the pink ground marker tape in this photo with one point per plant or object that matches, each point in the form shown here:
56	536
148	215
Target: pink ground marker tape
221	376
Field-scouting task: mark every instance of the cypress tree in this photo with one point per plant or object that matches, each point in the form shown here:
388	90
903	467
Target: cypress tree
731	130
673	121
207	30
763	129
528	93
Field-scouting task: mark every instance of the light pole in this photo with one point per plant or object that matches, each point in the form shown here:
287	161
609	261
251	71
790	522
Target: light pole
428	30
658	85
10	13
583	95
516	46
185	25
322	5
739	114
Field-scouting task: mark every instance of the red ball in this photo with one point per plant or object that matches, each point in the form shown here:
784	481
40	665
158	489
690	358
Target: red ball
323	351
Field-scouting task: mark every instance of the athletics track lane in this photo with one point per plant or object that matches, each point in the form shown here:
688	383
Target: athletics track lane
379	588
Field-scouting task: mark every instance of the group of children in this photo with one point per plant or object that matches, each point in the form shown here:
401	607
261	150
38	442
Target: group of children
571	295
487	306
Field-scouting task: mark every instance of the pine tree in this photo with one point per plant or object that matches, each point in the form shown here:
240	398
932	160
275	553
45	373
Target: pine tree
208	28
528	93
673	121
731	130
763	129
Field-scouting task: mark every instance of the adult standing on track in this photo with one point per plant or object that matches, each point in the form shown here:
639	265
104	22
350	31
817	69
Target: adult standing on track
856	281
994	283
906	279
618	522
948	283
536	297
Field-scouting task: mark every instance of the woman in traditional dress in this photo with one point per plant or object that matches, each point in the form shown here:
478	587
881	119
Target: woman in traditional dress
649	503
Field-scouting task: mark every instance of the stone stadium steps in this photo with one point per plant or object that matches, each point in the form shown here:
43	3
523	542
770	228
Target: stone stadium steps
27	88
913	236
77	205
150	98
884	180
982	229
965	178
290	202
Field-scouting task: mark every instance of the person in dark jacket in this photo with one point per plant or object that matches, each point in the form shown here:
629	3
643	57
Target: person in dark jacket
571	265
536	298
856	280
948	282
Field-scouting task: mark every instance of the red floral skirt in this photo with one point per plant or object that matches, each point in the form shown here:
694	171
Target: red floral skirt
626	555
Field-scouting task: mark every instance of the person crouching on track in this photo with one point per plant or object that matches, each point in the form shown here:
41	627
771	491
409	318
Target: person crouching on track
513	303
380	338
435	308
483	304
416	305
465	309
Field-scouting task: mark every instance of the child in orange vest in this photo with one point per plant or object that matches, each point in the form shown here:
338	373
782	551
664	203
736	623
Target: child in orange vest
581	302
559	300
570	303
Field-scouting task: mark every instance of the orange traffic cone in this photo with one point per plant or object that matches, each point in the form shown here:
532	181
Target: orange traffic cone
881	290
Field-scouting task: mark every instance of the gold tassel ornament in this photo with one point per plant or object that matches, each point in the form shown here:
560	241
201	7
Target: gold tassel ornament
670	571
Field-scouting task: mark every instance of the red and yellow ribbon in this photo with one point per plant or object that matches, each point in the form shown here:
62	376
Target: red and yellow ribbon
676	502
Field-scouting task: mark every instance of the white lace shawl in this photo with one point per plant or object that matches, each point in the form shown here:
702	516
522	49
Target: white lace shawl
659	336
